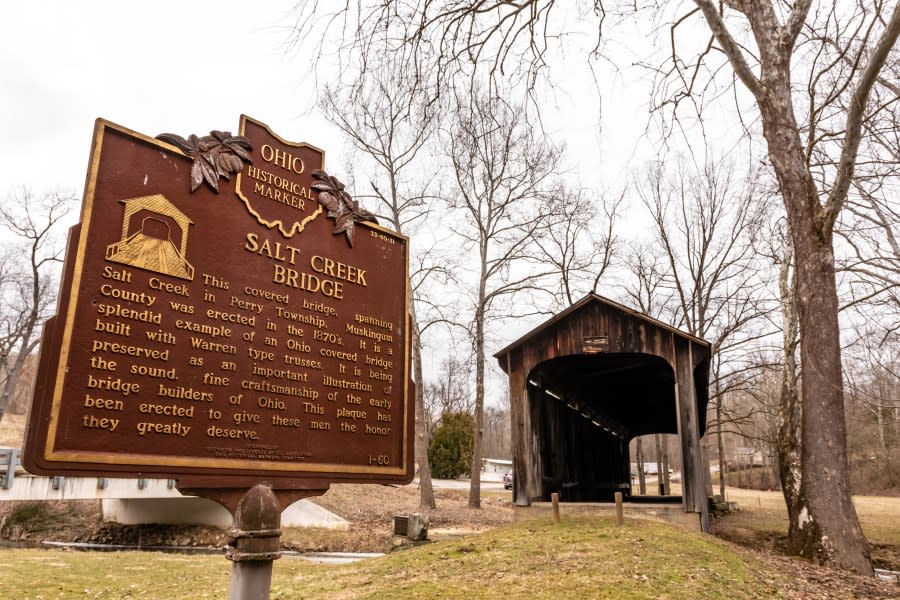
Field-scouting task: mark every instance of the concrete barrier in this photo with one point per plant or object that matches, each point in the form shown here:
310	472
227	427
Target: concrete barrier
191	510
142	500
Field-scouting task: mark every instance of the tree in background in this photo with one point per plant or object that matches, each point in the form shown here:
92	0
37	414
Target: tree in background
28	280
498	432
450	450
788	442
502	172
450	392
385	113
639	460
831	53
581	244
795	63
705	222
873	383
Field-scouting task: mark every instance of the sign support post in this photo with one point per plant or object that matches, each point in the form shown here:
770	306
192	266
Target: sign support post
255	544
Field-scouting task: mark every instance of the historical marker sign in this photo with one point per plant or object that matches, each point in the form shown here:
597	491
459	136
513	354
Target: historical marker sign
255	326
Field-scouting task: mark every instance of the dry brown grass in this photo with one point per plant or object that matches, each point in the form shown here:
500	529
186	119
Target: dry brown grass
12	431
761	522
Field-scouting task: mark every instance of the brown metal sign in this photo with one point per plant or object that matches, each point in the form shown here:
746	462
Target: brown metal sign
255	326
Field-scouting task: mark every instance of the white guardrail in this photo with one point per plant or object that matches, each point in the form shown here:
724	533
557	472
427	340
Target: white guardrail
17	484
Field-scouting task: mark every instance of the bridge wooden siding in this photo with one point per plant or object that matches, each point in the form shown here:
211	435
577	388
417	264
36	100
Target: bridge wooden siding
598	329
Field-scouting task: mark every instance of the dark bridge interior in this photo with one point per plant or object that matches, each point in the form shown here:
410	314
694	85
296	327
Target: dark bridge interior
587	408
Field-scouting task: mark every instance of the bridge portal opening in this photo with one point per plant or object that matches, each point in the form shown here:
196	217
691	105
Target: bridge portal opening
586	409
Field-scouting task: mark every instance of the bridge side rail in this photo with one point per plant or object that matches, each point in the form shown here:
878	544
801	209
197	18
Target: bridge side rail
10	462
31	487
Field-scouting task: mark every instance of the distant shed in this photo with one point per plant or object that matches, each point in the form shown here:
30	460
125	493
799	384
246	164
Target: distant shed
586	382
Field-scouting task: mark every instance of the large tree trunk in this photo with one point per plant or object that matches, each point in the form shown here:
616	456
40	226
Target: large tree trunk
426	491
827	529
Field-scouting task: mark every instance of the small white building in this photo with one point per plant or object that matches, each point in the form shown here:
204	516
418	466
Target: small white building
492	469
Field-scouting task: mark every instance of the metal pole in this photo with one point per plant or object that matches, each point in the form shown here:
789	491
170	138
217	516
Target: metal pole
255	543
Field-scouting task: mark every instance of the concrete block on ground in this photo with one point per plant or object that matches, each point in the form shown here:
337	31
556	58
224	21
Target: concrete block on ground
418	527
304	513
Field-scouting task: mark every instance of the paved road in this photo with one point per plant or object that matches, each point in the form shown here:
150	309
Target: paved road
461	484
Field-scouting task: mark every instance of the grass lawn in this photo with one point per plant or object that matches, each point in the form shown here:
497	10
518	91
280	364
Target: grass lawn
580	558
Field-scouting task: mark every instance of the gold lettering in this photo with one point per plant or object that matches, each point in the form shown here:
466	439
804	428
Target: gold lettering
157	372
221	432
138	351
283	159
103	403
231	317
179	429
119	275
273	250
305	281
201	344
170	410
172	288
338	270
370	430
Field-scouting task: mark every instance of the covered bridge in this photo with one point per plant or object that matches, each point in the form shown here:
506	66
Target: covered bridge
586	382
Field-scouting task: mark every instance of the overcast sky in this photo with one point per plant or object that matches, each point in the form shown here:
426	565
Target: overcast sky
190	67
154	67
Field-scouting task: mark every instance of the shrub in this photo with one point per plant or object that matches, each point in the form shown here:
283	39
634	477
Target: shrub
450	451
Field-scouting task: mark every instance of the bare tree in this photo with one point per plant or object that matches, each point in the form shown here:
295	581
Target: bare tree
642	477
451	392
644	287
503	178
828	528
27	278
497	432
873	381
788	434
385	113
425	313
581	244
704	225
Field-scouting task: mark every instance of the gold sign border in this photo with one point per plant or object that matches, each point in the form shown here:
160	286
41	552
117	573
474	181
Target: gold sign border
160	460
